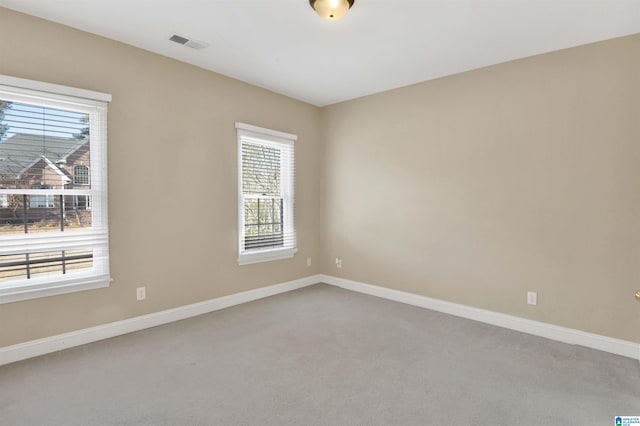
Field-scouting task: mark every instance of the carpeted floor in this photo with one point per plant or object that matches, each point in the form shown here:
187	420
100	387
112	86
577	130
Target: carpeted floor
322	356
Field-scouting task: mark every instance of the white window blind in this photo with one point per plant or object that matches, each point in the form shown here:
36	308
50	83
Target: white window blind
53	152
266	194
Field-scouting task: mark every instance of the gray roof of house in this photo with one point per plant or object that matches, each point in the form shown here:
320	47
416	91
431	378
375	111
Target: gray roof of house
21	151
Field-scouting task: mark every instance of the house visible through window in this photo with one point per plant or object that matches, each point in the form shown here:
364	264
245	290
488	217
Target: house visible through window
266	194
53	186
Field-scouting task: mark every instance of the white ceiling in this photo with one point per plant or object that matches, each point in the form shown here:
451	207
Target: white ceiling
282	45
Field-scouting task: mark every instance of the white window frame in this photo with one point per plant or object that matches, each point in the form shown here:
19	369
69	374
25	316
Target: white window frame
275	139
97	237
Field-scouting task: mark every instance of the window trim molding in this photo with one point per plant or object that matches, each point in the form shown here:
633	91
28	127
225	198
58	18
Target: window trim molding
261	131
41	93
266	255
263	136
53	89
36	290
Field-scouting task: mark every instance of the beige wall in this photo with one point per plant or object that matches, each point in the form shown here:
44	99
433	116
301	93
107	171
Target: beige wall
473	188
172	176
478	187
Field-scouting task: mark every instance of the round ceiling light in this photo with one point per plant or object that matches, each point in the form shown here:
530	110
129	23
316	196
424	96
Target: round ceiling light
331	9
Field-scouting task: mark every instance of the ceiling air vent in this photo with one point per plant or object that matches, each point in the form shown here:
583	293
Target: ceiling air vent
186	42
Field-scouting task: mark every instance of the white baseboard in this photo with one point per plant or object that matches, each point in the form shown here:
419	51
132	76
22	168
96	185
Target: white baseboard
536	328
51	344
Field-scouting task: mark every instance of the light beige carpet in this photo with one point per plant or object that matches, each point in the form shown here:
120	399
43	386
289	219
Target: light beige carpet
322	356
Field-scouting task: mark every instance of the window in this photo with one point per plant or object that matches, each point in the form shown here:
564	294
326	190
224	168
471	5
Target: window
48	246
81	175
41	201
81	202
265	194
4	201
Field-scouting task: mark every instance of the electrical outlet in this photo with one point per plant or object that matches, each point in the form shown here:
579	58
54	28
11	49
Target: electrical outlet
141	293
308	261
532	298
338	263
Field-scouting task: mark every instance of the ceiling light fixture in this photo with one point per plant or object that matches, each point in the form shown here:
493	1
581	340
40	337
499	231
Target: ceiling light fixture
331	9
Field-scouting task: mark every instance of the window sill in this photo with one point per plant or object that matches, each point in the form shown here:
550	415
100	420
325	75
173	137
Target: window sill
33	291
266	256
